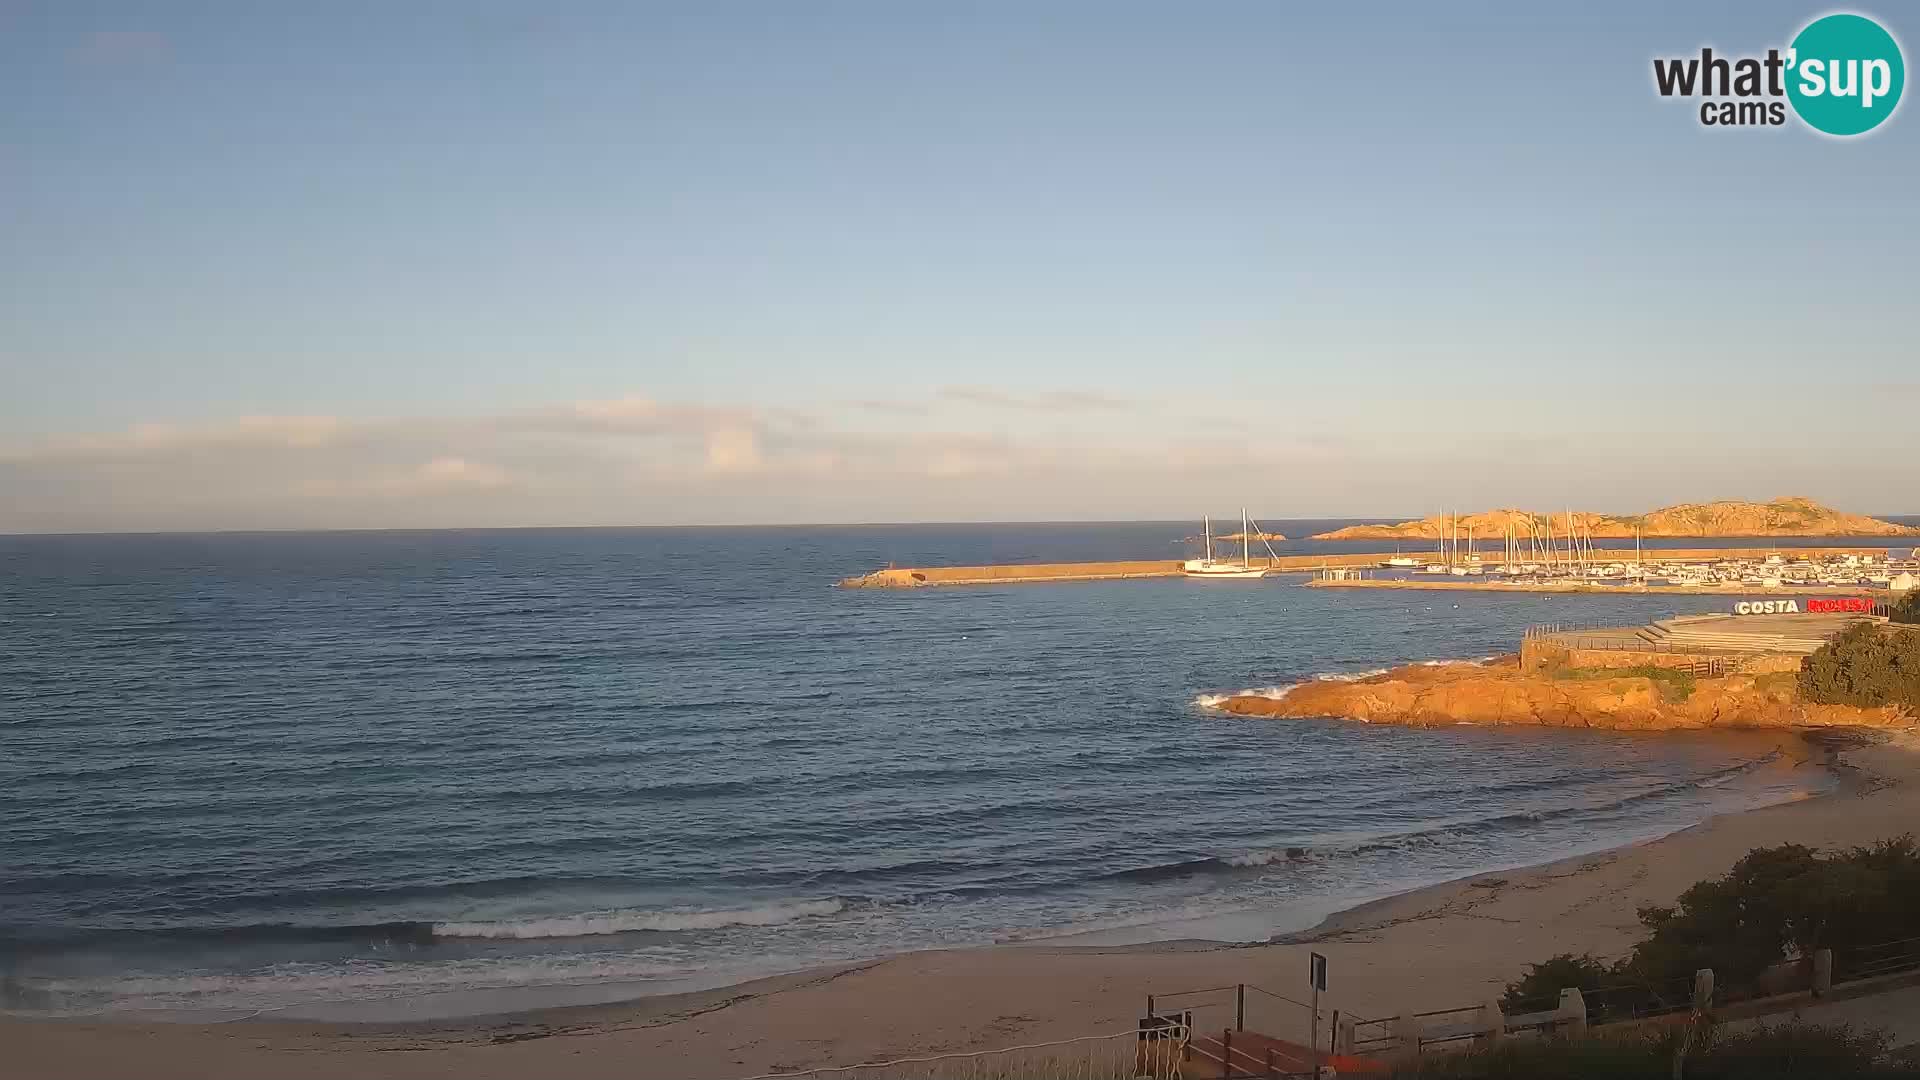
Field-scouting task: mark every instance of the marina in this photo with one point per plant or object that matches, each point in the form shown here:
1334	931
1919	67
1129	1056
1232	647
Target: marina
1706	571
1577	586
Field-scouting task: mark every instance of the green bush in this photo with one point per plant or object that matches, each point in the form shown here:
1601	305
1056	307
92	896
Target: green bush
1866	665
1784	1052
1791	1050
1907	608
1774	904
1673	684
1539	989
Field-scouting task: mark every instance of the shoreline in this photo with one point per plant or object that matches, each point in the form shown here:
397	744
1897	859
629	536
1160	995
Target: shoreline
1850	779
1435	946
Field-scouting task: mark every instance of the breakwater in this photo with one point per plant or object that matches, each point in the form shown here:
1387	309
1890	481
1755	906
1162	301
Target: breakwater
910	577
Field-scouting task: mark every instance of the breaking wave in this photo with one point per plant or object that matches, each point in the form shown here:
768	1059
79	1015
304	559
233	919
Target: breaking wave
1214	701
1350	676
593	924
1438	833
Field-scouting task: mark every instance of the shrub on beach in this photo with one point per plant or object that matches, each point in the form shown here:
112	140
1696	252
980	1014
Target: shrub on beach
1762	1053
1775	904
1539	989
1907	608
1866	665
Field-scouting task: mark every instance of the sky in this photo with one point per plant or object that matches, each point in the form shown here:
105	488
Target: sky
367	265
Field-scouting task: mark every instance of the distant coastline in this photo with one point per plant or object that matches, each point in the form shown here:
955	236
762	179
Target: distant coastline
1783	517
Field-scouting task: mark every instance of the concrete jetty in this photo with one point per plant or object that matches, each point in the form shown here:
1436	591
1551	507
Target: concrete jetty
912	577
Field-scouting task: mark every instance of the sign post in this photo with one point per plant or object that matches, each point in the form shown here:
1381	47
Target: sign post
1316	975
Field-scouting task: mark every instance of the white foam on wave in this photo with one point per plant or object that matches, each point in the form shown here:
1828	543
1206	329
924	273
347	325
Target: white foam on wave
593	923
1264	857
195	995
1349	676
1214	701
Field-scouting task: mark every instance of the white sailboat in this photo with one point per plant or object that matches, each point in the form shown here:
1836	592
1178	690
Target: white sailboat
1211	567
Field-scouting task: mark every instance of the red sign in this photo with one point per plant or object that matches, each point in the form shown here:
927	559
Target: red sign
1841	605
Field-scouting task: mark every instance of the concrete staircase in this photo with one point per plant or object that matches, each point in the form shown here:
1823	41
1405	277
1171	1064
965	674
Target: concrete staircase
1735	634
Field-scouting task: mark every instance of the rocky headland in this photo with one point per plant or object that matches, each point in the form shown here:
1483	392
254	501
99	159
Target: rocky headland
1500	692
1780	517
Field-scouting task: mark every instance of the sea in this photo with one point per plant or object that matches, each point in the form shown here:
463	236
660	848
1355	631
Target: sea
382	775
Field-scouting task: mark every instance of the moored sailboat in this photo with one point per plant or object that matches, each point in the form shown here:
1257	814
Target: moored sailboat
1210	567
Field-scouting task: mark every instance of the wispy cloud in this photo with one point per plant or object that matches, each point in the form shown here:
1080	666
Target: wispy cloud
620	449
639	459
976	399
1048	401
891	407
149	441
440	476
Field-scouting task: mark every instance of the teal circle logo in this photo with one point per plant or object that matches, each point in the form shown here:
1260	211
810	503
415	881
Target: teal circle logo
1845	74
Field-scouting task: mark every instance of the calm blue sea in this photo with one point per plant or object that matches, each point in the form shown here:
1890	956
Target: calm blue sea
418	773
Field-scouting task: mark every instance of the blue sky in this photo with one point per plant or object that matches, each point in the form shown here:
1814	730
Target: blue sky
481	263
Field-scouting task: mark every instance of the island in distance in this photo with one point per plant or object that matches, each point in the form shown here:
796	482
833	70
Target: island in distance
1781	517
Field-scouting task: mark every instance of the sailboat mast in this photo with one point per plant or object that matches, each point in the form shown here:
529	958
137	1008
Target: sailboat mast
1246	541
1207	528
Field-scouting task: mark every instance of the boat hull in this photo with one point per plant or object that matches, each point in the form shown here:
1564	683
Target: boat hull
1235	572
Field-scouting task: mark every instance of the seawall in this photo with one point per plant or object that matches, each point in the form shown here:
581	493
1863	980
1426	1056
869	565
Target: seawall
1538	654
909	577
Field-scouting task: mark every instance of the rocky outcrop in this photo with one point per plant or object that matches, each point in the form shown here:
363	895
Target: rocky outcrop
1256	535
1499	692
1781	517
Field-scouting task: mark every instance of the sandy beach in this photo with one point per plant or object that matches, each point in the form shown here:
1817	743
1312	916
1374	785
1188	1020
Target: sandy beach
1444	946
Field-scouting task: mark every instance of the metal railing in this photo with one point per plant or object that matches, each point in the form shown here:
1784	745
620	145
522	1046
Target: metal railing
1374	1036
1872	961
1555	629
1242	1029
1223	1058
1638	1001
1158	1054
1243	1007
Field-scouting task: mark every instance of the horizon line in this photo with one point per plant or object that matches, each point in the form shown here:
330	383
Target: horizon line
290	531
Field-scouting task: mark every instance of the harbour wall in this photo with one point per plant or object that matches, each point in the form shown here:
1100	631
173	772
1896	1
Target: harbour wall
909	577
1538	654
